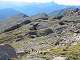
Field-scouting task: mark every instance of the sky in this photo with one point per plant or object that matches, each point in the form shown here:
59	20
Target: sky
60	2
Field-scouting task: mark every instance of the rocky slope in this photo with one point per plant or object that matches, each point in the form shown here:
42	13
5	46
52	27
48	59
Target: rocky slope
44	37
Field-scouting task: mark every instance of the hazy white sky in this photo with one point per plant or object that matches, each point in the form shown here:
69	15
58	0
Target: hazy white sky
68	2
61	2
27	1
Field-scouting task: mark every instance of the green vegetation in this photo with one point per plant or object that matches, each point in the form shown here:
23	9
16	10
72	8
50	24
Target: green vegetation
72	52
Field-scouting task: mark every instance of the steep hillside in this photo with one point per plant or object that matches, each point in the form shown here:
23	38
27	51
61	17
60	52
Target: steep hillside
18	19
44	37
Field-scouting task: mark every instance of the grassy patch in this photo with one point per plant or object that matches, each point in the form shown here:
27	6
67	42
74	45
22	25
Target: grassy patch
73	52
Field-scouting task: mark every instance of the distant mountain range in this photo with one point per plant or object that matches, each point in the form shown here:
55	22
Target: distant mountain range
33	9
8	12
29	9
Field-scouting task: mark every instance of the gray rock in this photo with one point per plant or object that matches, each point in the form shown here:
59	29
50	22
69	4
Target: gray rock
7	52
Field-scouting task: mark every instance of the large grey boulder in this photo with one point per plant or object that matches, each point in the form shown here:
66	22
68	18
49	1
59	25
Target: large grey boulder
7	52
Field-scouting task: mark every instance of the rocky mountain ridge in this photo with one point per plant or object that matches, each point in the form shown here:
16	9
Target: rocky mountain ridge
44	37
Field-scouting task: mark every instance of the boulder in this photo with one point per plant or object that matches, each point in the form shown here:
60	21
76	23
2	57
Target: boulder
7	52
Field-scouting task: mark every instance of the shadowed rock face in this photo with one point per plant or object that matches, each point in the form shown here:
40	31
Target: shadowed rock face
34	26
7	52
17	26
